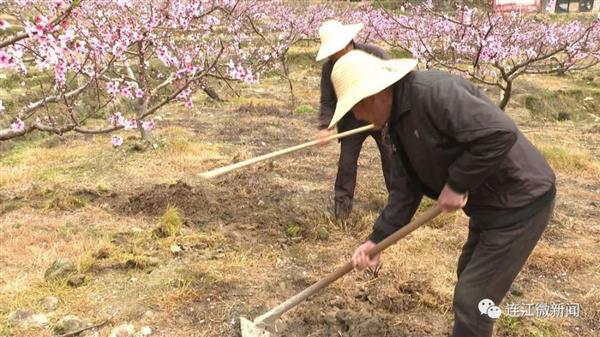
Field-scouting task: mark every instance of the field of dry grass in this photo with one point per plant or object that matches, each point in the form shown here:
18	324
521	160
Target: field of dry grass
248	240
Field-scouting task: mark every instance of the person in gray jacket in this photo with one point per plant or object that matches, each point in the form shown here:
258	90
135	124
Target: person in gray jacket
337	40
453	144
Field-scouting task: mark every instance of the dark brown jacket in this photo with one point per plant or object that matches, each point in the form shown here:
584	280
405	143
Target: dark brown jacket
446	131
328	97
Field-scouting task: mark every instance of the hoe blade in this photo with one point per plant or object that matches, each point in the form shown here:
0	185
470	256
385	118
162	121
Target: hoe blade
249	329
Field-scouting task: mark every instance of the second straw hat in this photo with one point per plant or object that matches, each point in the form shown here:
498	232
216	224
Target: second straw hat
335	36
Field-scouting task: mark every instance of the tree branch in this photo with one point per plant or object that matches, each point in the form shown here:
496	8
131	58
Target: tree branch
54	22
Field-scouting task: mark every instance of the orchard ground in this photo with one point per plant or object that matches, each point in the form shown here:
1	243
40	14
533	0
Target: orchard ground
252	238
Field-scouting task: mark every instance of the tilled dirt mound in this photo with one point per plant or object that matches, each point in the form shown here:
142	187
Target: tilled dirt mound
195	202
372	309
358	324
343	323
242	200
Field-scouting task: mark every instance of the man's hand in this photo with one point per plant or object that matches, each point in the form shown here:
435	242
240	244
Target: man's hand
322	136
360	259
450	201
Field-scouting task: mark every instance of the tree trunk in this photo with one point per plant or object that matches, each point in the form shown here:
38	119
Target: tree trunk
286	72
505	96
212	93
140	110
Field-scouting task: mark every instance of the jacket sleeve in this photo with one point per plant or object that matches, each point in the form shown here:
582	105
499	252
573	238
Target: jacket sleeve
465	115
403	201
328	97
377	51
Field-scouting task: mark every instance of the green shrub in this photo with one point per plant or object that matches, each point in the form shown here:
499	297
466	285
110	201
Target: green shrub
304	108
170	223
294	230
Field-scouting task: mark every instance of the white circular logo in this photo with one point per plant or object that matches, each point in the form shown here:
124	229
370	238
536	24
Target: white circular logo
489	308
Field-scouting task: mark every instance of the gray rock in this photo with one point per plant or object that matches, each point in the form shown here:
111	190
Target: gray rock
145	331
27	319
516	290
370	327
38	321
61	268
50	303
19	316
76	281
70	323
175	249
125	330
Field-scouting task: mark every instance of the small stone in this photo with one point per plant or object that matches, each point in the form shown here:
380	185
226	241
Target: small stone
50	303
370	327
38	321
329	319
19	316
102	253
516	290
125	330
146	331
76	280
68	324
175	249
61	268
564	116
27	319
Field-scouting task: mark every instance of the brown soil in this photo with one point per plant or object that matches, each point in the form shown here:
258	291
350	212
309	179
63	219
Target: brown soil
194	201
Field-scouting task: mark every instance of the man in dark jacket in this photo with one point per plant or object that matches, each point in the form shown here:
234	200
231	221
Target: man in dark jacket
451	143
337	40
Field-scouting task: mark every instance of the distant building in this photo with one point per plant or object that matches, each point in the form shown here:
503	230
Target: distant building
576	6
520	5
556	6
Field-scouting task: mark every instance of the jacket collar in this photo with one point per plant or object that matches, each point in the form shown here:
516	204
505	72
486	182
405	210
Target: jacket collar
401	104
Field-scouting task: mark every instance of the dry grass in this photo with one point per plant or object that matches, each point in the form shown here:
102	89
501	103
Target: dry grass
547	261
569	160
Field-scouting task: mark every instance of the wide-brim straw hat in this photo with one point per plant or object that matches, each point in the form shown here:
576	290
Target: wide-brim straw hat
335	36
358	74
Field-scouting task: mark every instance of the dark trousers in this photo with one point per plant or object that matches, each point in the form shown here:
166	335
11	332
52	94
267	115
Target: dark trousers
490	260
345	182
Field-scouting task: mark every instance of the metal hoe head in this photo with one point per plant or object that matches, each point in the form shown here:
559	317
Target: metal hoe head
253	329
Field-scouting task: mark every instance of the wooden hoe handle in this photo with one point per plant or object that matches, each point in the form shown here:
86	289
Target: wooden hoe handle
222	170
274	313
